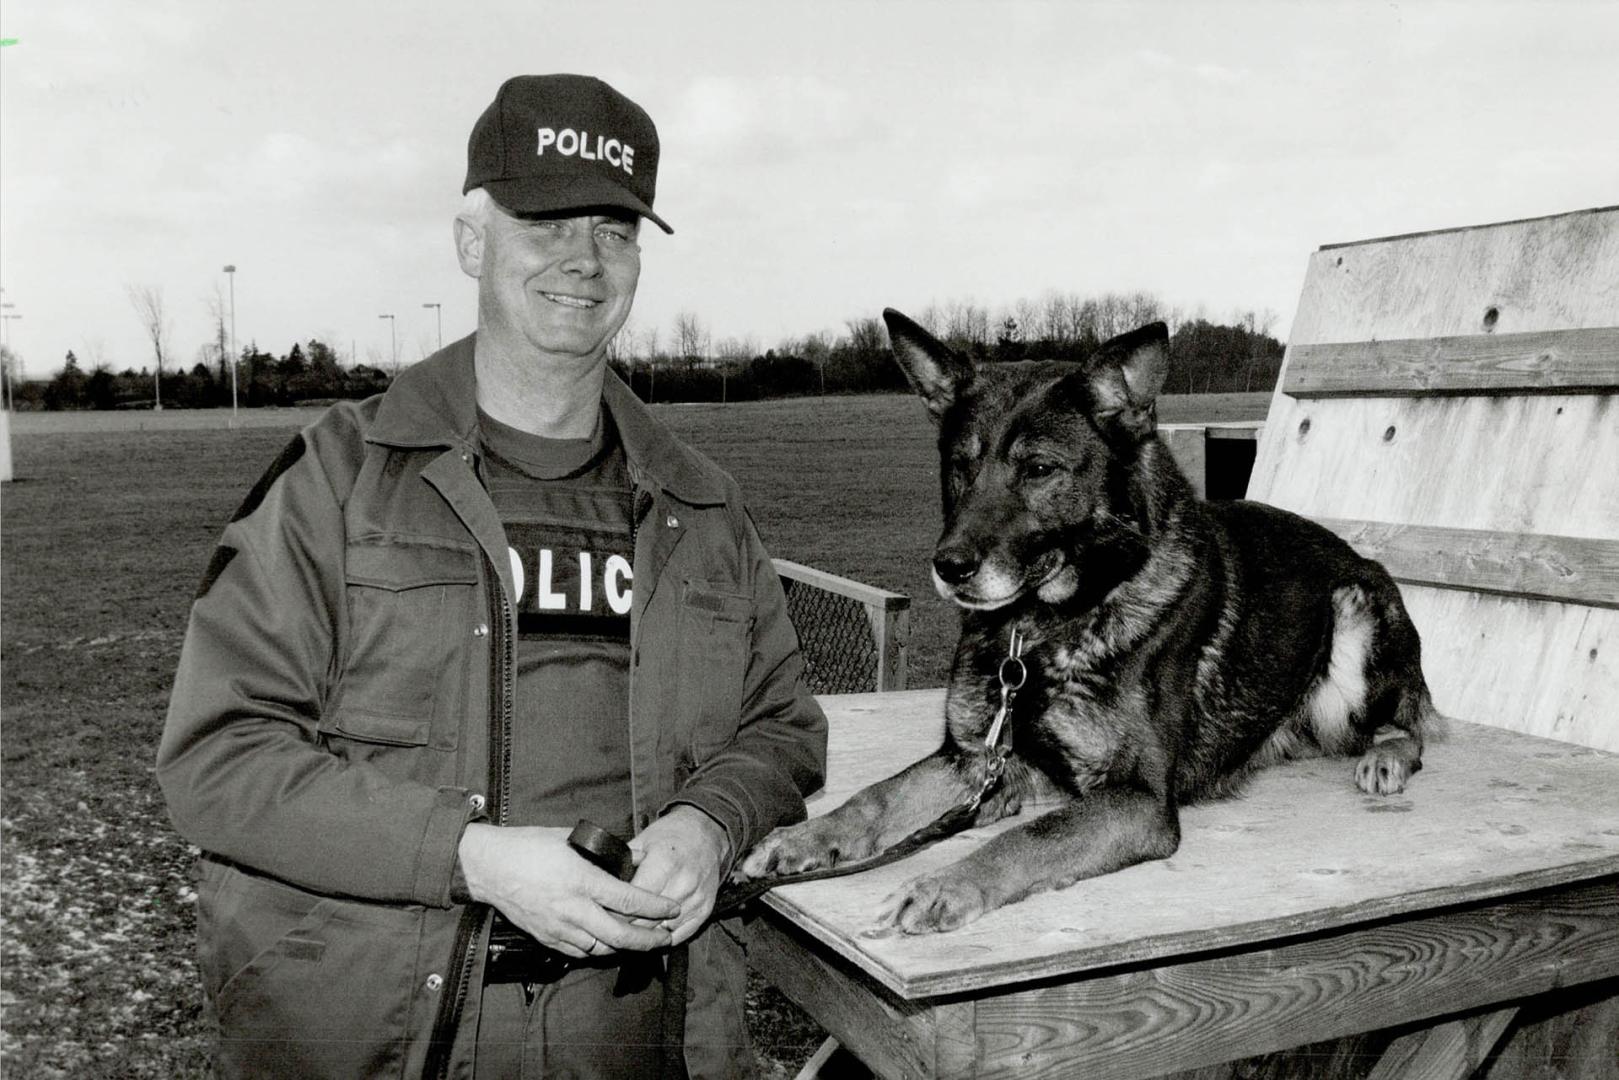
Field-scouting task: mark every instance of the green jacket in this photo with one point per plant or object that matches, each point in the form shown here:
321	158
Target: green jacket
342	708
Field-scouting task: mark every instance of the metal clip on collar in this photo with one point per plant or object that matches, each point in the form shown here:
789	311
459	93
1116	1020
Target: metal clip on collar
1013	674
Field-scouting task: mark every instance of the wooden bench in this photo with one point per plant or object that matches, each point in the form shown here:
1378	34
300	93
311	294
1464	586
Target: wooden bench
1447	403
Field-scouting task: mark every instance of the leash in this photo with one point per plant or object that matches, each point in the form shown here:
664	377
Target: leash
1013	673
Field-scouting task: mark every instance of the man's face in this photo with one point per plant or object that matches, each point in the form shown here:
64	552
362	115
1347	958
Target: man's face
556	283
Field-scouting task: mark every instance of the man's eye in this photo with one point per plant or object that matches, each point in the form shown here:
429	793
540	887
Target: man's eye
614	234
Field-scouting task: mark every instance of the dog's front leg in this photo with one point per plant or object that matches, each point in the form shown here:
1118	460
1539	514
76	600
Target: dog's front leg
871	820
1102	831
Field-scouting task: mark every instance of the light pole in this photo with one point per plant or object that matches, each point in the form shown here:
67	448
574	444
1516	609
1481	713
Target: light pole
438	310
230	271
10	372
393	344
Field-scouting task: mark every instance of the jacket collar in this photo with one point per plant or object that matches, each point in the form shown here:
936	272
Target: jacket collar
435	404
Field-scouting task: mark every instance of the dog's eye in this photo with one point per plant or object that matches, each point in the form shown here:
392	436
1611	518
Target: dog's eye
1039	468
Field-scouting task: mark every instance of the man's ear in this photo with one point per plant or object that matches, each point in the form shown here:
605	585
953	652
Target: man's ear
1126	373
469	246
937	372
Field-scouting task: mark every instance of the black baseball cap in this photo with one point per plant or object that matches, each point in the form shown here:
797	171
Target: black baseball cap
564	142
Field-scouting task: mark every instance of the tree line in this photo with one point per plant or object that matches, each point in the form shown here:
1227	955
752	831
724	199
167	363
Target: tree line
309	373
687	363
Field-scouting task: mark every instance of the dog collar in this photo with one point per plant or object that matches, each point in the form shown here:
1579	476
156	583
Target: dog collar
1013	674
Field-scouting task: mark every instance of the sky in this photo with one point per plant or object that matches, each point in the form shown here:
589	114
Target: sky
820	161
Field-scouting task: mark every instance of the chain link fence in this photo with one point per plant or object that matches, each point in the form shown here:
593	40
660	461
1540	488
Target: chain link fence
834	633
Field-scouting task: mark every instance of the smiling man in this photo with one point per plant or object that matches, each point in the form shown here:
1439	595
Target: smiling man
455	619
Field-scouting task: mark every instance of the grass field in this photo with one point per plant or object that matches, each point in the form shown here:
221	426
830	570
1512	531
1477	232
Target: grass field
103	535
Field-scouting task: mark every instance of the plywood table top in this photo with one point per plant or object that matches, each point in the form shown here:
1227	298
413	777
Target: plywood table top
1493	813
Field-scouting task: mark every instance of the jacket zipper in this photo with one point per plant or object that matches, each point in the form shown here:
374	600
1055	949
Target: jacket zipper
500	770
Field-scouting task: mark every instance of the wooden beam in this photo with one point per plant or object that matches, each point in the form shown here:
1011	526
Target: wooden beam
1568	214
893	1037
1449	1051
1567	569
1544	362
1177	1016
870	595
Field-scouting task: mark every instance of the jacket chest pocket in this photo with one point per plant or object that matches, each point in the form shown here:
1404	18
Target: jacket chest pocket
412	611
716	641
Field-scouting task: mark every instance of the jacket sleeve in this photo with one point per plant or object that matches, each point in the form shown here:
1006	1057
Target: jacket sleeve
240	762
778	756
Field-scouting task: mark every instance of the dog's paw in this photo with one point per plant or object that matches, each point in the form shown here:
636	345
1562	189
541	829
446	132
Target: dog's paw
1382	772
793	849
933	904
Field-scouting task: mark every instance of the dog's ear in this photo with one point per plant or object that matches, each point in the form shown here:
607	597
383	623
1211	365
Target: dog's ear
937	372
1126	373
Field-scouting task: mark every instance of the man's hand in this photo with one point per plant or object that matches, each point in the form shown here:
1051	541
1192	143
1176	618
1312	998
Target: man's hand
680	856
546	888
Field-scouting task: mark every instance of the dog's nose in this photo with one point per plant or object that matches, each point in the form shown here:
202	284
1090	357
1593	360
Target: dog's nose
954	565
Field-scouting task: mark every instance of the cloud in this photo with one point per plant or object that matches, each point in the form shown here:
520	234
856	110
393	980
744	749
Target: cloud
719	117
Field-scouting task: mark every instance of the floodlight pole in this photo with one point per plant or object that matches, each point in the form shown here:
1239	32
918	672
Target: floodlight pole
393	344
230	272
438	310
10	372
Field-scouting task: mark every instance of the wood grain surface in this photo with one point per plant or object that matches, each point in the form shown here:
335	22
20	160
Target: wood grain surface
1532	464
1178	1013
1492	813
1568	569
1546	362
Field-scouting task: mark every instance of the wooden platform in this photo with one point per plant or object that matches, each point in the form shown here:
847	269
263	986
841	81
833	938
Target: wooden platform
1302	911
1492	813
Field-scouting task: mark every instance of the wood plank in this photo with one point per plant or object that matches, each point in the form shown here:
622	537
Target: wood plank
1573	1035
870	595
1145	1022
1552	273
891	629
1521	665
1188	444
1450	1051
1543	362
894	1037
1570	569
1492	813
1467	228
1241	430
1526	464
1516	464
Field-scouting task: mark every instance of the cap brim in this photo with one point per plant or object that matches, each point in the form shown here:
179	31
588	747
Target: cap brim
541	195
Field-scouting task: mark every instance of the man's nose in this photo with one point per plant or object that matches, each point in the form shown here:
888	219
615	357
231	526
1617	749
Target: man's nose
580	254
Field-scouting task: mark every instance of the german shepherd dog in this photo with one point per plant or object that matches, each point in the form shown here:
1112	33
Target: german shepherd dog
1173	645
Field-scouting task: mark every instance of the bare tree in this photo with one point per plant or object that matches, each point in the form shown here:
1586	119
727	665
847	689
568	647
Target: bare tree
148	303
691	336
649	344
1027	314
218	312
94	351
621	346
737	350
966	323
